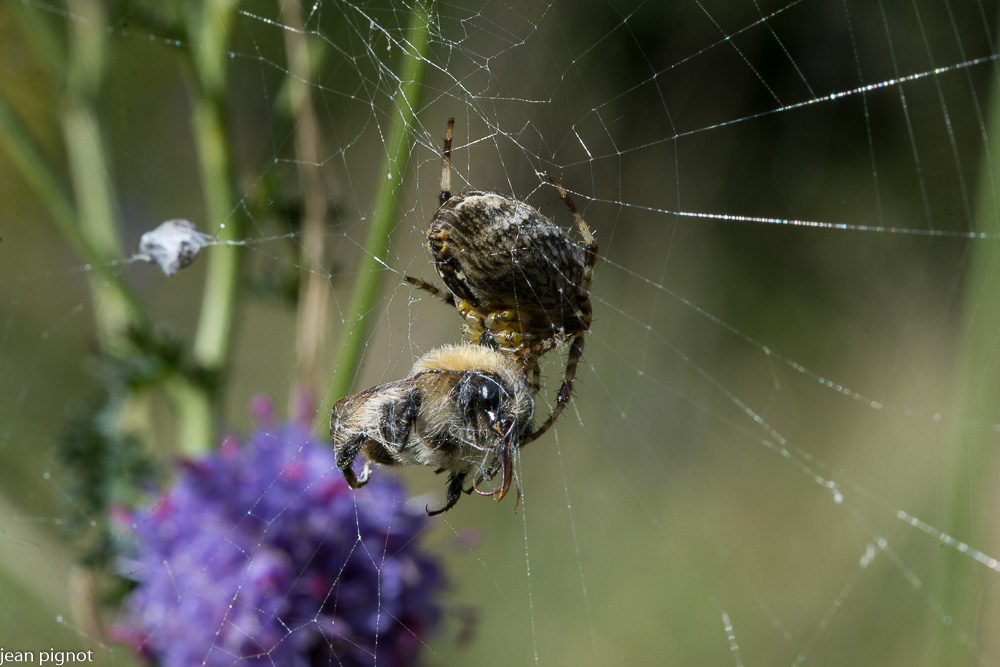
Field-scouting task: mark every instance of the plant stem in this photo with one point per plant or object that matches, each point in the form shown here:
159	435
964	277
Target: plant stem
386	214
313	303
212	341
53	193
970	505
90	172
98	222
209	24
90	222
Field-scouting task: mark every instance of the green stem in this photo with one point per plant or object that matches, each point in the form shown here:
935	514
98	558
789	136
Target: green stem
46	44
90	223
975	458
53	193
90	172
355	330
215	328
311	319
209	25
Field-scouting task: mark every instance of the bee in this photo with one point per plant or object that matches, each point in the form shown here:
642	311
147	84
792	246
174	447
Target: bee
464	409
520	283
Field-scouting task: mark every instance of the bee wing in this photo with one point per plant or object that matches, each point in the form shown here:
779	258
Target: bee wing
353	414
437	379
348	405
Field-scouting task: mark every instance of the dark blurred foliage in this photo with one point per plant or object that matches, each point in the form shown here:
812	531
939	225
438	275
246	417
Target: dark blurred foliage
103	468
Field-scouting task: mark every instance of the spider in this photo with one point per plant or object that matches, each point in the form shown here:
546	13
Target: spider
520	283
463	409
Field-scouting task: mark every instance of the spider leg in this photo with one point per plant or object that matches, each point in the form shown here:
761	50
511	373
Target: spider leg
565	391
447	297
586	315
529	355
586	312
536	374
346	456
446	164
456	480
486	340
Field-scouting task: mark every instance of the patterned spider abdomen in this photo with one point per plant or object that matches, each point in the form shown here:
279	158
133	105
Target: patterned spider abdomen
518	273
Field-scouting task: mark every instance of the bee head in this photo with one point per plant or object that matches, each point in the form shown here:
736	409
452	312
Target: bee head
485	401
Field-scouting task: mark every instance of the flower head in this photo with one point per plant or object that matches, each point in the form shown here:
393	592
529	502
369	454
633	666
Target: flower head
260	554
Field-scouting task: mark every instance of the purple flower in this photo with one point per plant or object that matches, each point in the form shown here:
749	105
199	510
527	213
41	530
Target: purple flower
260	554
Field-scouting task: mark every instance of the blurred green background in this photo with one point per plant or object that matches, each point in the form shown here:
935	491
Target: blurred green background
694	477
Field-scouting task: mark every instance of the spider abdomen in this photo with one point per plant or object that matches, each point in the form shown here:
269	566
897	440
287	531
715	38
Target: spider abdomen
501	254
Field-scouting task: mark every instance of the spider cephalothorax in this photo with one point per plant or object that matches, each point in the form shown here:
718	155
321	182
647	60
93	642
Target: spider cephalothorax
521	284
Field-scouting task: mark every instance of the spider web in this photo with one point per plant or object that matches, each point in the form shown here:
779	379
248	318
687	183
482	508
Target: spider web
781	447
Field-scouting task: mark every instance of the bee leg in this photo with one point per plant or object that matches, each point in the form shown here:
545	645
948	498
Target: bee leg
456	482
366	472
346	456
